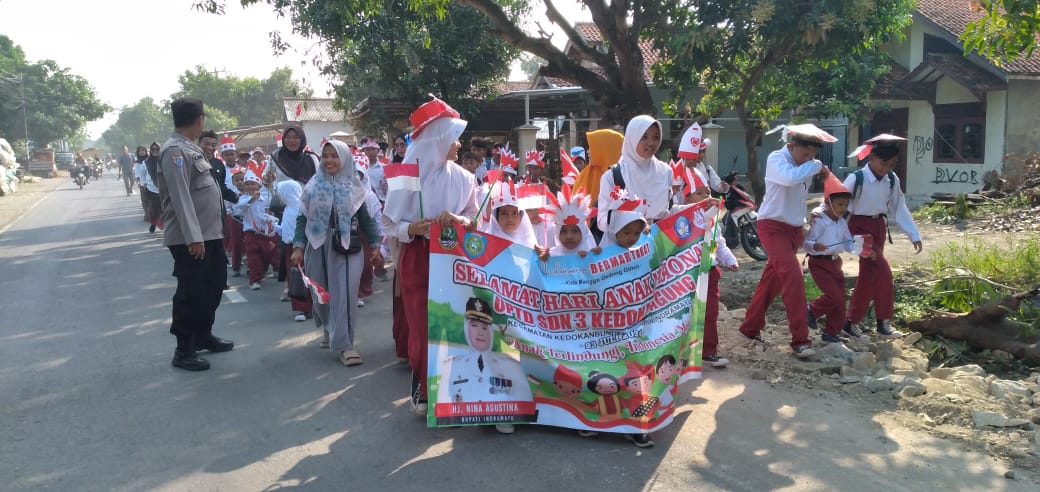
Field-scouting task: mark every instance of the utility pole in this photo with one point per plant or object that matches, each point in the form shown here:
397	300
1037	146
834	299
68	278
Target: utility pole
25	119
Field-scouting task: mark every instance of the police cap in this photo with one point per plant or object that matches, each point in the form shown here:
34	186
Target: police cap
478	309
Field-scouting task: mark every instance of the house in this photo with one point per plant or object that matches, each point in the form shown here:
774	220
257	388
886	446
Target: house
961	114
319	118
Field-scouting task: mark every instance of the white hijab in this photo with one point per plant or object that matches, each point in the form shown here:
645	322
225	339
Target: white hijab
523	235
429	150
647	178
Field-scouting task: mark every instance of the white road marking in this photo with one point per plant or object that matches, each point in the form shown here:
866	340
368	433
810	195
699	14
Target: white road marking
234	297
16	219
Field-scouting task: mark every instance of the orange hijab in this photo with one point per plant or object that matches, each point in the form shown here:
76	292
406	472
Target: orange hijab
604	151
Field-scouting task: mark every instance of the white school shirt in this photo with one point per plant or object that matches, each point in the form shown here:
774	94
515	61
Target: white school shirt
377	182
878	196
714	181
253	212
787	188
828	231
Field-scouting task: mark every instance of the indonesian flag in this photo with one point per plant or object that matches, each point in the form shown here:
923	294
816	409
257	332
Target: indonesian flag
530	196
319	293
299	109
402	176
570	171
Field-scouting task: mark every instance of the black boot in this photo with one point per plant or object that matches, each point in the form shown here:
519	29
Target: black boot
189	360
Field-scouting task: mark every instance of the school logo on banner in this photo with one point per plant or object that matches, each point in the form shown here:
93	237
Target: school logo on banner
682	228
475	244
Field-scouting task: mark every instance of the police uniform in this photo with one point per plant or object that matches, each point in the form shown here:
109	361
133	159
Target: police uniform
192	213
482	376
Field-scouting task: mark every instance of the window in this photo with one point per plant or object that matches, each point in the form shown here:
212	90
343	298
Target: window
960	133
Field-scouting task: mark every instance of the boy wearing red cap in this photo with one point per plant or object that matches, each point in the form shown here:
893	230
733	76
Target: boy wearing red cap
876	196
780	220
828	236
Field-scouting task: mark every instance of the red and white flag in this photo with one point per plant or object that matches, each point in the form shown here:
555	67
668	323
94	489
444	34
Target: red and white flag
319	293
530	196
402	176
570	171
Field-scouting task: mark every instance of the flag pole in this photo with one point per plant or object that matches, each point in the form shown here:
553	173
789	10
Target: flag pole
420	192
490	190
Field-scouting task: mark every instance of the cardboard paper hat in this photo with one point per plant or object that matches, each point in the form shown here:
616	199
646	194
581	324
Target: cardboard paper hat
692	143
693	181
568	170
564	374
370	144
883	140
504	194
806	132
624	208
677	171
535	158
361	163
428	112
833	185
227	143
251	176
479	309
508	162
569	208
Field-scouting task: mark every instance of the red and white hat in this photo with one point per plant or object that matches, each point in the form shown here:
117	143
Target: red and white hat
535	158
570	171
227	143
691	144
505	193
624	208
806	131
251	176
428	112
569	208
693	180
361	163
864	150
508	161
833	185
370	144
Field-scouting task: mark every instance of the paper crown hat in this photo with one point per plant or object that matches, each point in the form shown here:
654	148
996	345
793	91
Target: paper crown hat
251	176
833	185
425	114
535	158
508	161
227	143
692	143
883	140
504	194
569	208
568	170
624	208
361	163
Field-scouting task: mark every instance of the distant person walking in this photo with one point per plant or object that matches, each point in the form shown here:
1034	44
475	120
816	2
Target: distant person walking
126	170
193	213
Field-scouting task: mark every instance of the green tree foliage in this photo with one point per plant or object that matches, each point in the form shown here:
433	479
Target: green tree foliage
252	101
146	121
761	57
57	103
1007	31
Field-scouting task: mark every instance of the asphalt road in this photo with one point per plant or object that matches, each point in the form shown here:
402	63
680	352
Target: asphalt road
89	401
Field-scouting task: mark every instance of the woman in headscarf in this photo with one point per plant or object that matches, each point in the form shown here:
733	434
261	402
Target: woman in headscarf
644	175
332	208
449	198
292	161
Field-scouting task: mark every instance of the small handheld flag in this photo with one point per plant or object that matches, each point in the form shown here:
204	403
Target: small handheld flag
402	176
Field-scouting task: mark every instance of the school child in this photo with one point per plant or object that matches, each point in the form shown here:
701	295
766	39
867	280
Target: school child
362	163
780	227
692	148
290	190
570	212
258	229
448	197
625	219
507	220
639	171
828	236
877	197
233	245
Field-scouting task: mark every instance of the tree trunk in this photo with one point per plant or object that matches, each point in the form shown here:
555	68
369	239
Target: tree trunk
986	327
752	134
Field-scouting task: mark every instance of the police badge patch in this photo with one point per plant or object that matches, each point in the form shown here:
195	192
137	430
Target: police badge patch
178	161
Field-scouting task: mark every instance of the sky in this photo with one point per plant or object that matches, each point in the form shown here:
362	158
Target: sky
130	49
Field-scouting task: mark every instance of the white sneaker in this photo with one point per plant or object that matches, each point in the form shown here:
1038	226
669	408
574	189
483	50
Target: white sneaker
254	286
360	303
505	428
715	361
300	317
419	408
285	296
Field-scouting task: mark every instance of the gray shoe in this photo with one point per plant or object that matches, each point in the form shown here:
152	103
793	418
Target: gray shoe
885	330
852	330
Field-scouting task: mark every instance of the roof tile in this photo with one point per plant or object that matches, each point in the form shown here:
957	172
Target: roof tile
953	16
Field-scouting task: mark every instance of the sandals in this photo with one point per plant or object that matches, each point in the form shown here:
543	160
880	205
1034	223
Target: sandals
324	340
350	358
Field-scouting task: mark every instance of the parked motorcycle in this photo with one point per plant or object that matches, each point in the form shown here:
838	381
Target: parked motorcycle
741	219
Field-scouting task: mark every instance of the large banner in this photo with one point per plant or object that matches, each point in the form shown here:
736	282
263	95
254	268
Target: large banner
598	343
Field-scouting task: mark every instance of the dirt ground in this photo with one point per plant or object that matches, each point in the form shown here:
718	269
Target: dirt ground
952	403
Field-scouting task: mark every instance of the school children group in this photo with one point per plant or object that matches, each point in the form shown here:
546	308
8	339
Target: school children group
340	227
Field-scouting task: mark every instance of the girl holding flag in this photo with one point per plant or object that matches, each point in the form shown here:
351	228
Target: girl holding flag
450	198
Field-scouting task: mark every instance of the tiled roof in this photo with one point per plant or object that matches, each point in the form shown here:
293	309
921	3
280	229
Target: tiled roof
969	75
887	86
590	33
311	109
953	16
505	87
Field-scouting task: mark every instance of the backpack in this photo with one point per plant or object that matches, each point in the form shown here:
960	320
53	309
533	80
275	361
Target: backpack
858	187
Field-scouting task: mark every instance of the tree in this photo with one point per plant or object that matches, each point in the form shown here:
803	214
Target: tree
530	65
1007	31
616	81
252	101
763	57
57	104
146	121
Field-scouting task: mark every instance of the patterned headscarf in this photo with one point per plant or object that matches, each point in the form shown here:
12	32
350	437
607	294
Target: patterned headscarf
342	192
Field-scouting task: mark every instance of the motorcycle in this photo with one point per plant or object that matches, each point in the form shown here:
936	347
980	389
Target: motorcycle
739	224
79	174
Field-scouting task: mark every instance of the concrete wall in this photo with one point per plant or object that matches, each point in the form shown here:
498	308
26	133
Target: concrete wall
316	130
949	92
1023	116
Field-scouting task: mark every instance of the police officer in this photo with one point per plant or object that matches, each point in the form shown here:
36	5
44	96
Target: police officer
193	214
481	375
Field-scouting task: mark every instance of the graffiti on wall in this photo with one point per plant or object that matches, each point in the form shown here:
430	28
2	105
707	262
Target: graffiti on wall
922	146
956	175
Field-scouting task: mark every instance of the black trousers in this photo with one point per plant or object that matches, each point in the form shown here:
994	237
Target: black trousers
200	287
